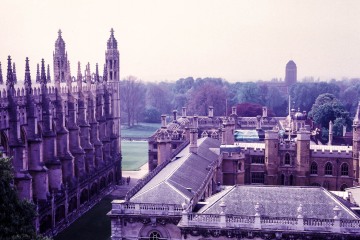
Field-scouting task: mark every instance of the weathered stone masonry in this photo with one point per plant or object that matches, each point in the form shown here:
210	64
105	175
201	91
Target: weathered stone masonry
63	136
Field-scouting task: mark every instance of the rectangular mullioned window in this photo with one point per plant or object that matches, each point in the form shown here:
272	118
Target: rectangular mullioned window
258	159
258	177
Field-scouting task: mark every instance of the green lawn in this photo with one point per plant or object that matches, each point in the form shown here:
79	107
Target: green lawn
134	155
143	130
93	225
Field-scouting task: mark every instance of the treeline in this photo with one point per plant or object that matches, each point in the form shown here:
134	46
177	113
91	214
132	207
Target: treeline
145	102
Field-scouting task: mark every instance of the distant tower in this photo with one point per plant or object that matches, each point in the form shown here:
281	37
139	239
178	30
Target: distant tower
290	73
60	60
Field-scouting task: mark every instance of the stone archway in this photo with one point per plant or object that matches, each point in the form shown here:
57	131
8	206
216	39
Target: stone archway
45	223
93	189
84	196
72	204
60	213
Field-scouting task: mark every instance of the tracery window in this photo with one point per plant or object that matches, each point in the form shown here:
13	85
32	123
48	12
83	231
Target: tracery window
313	168
344	169
287	159
328	169
154	235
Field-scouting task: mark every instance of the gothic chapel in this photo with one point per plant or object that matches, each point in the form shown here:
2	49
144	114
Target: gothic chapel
63	136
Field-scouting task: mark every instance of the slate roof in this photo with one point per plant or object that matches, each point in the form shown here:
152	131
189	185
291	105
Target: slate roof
277	201
186	170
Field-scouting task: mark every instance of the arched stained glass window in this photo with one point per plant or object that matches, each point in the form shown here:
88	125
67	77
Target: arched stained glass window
328	169
344	169
313	168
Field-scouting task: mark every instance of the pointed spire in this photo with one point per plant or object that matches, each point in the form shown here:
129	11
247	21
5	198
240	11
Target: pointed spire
105	74
14	74
9	77
88	76
1	76
112	43
97	77
42	76
48	74
356	120
38	73
68	76
27	81
79	77
59	43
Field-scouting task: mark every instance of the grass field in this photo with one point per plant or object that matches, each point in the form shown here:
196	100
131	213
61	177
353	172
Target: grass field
134	154
143	130
93	225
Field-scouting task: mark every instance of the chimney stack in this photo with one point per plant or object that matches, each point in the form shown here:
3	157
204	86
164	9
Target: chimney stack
163	121
175	115
211	112
233	111
183	113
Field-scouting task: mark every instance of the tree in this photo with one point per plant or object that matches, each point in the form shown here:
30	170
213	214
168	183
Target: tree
209	94
17	216
328	108
160	96
350	97
250	110
305	94
250	92
152	115
132	99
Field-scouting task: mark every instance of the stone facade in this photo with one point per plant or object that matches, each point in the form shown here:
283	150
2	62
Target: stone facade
284	152
63	136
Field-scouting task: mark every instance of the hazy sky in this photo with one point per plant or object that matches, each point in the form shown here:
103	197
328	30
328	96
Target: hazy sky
166	40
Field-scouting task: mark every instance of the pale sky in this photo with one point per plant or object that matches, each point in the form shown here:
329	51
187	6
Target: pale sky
166	40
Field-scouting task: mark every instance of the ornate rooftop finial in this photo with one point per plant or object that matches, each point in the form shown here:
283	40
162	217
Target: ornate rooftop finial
9	77
356	119
79	77
38	73
48	74
68	77
42	76
59	44
112	43
88	76
97	77
27	81
1	76
105	74
14	73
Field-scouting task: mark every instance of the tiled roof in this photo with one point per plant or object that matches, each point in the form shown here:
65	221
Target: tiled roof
182	177
277	201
